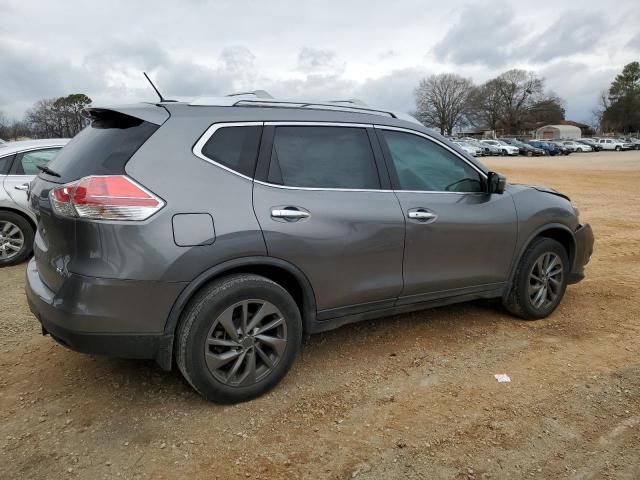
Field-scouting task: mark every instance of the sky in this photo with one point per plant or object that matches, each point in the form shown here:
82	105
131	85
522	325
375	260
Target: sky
374	50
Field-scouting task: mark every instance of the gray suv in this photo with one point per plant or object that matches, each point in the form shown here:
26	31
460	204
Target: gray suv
216	234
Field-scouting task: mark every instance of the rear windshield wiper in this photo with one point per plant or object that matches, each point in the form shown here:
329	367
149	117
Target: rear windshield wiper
47	170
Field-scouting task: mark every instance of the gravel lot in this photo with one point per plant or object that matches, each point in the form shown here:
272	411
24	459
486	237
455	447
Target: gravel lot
411	396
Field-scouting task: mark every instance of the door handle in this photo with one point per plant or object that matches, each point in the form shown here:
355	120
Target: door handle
422	215
289	213
23	188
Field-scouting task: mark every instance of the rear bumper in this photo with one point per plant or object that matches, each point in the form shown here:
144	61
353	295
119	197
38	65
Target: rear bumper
116	318
584	250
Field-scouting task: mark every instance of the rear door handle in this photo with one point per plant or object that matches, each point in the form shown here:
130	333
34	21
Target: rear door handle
290	214
422	215
23	188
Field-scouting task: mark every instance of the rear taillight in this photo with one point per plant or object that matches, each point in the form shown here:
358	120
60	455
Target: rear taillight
109	197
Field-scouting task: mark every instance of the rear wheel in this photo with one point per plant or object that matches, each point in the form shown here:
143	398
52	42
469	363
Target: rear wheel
238	338
540	280
16	238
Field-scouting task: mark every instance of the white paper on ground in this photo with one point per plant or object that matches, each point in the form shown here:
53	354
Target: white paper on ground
502	377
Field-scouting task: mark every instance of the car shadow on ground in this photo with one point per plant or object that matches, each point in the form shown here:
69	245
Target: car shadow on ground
145	378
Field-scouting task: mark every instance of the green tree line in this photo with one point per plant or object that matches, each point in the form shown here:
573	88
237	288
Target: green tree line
620	105
50	118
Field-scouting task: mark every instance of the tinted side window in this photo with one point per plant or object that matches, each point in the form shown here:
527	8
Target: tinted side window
323	157
29	162
426	166
235	148
5	163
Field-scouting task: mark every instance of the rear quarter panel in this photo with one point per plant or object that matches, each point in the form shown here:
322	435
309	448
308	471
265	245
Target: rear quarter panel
166	165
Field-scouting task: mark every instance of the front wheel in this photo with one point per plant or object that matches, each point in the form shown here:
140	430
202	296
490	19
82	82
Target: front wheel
618	148
540	280
16	238
238	338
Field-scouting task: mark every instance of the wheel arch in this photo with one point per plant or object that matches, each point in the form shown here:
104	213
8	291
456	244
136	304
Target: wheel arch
276	269
555	231
23	214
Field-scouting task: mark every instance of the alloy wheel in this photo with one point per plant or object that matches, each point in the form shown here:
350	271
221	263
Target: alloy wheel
545	280
11	240
246	342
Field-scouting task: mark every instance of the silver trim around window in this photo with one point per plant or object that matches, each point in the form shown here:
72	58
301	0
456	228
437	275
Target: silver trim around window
204	138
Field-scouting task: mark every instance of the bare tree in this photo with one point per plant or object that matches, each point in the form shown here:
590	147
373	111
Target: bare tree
597	114
549	109
442	101
486	105
4	126
519	90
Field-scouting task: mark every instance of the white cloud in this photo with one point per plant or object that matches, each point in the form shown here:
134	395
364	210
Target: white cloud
369	49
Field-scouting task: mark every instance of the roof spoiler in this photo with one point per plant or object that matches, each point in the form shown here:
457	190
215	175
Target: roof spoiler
149	112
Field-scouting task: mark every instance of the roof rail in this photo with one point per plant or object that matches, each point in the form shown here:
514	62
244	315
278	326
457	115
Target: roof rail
257	93
352	105
353	101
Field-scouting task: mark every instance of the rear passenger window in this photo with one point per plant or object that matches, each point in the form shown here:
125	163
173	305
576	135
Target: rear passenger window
235	148
5	163
29	162
323	157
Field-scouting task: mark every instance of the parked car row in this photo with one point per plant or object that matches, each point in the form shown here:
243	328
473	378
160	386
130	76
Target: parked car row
486	148
515	146
618	144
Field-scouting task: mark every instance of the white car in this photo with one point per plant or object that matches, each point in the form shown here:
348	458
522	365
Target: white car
20	162
577	147
504	147
614	144
475	151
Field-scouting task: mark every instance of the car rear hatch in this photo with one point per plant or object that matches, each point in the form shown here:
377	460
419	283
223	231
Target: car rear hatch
102	148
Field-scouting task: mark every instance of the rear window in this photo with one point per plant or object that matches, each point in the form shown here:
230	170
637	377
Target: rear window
102	148
235	148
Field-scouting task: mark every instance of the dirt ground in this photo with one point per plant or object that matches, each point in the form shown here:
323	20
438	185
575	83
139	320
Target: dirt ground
411	396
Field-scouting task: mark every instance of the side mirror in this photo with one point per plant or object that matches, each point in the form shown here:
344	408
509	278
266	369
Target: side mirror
496	183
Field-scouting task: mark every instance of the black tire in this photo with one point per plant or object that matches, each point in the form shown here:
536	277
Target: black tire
199	318
618	148
27	236
518	301
529	153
